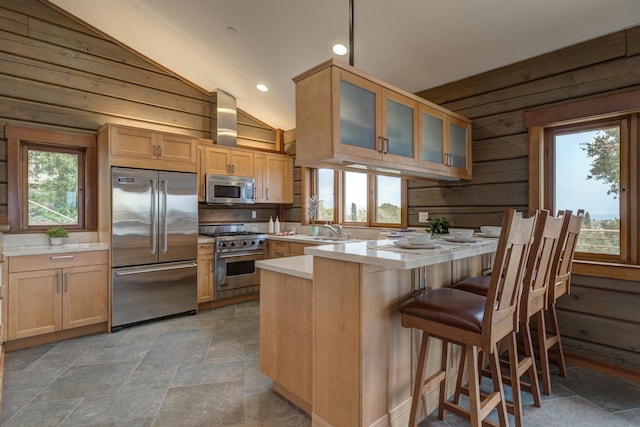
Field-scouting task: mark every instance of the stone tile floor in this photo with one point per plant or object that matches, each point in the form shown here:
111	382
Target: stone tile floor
204	371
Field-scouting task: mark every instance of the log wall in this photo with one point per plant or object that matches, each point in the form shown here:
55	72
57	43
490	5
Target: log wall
600	319
59	74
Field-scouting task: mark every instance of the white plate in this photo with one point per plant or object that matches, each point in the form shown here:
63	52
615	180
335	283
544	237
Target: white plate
487	235
459	239
407	245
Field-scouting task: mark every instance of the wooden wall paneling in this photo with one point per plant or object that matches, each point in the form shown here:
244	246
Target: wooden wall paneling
502	147
81	100
500	171
503	194
580	55
633	41
608	355
87	42
599	302
599	330
39	71
45	12
509	123
589	80
13	22
58	55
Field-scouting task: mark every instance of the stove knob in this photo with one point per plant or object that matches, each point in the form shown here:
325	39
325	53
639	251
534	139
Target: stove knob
223	244
253	242
244	243
233	244
261	242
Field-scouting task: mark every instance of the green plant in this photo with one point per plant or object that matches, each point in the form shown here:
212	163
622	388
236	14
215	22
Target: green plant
57	232
312	208
438	225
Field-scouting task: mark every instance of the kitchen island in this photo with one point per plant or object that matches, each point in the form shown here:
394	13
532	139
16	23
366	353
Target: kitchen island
352	361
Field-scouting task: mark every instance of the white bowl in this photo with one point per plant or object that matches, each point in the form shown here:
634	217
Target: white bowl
464	233
418	238
491	230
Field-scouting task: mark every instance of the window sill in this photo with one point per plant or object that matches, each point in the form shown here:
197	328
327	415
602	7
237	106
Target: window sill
609	270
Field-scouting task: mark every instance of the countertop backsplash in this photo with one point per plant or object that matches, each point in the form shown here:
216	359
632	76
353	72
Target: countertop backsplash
40	239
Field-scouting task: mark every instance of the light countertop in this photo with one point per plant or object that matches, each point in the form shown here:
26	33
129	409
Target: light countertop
206	239
9	251
385	253
311	240
298	266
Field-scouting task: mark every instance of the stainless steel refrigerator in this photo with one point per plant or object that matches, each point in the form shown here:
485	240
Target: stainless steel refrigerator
154	244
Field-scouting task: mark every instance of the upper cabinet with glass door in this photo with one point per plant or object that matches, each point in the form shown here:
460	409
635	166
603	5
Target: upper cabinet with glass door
445	143
349	120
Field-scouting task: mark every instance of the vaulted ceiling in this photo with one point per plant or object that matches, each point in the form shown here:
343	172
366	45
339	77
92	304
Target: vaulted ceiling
412	44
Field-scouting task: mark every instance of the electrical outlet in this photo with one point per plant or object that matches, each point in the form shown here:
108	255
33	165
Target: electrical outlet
423	216
253	214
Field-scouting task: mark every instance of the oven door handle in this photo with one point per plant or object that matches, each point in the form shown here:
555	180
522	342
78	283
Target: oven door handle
242	254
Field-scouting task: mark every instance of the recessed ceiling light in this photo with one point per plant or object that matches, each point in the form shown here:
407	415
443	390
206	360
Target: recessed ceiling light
232	30
339	49
262	87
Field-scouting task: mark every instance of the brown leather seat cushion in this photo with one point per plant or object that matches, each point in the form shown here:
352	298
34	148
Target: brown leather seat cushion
449	306
479	285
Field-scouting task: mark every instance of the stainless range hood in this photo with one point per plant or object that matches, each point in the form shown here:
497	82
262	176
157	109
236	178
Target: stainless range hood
224	126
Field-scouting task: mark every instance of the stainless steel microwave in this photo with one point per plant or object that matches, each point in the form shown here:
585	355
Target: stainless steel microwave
229	190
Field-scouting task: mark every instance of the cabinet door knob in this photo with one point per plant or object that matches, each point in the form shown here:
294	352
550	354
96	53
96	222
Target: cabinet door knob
58	282
66	282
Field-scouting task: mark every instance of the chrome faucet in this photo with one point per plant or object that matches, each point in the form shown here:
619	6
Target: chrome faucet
335	229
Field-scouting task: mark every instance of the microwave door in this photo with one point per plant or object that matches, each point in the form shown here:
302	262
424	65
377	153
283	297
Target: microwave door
178	216
134	216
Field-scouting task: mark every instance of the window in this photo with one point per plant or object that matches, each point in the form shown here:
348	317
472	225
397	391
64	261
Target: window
585	155
51	180
584	163
355	198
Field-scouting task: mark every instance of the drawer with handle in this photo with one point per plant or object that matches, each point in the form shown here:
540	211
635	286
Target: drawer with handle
56	260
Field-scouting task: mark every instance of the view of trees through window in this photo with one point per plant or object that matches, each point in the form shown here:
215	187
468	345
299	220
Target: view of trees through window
355	197
52	187
591	182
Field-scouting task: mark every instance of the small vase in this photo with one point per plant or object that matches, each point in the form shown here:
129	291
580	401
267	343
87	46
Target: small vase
55	241
313	230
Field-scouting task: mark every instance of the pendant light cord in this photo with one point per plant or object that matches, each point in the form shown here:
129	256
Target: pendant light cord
351	32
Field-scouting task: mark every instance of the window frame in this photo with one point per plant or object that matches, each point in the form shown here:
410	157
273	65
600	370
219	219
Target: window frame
549	140
84	144
583	111
338	213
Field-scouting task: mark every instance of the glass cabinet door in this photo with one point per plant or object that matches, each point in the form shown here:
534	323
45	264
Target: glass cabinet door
359	116
458	144
432	142
399	119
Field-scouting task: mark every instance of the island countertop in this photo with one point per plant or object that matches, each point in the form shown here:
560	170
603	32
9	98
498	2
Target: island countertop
384	253
298	266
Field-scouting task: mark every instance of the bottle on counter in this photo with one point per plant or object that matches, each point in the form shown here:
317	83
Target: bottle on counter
276	227
271	225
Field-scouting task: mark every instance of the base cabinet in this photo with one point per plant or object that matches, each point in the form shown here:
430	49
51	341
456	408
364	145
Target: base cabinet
42	299
205	272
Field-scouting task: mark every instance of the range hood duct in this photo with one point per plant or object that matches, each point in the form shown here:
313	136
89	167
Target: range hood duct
225	122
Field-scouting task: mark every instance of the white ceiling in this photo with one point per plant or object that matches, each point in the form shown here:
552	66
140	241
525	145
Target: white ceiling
412	44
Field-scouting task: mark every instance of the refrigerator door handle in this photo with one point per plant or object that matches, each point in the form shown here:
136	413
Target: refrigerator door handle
151	270
154	226
165	228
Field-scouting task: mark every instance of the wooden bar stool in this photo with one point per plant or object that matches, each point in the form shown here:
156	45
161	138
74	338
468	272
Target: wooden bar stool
547	235
474	322
560	282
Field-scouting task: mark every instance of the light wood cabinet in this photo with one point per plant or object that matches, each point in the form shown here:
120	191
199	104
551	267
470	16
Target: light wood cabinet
445	143
273	175
347	119
226	161
142	148
205	272
281	249
50	293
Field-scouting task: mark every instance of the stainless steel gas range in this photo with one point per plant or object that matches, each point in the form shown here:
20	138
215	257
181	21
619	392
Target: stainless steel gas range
234	257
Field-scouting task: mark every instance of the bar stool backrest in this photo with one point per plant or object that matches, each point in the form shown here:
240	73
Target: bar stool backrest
501	308
547	235
564	256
